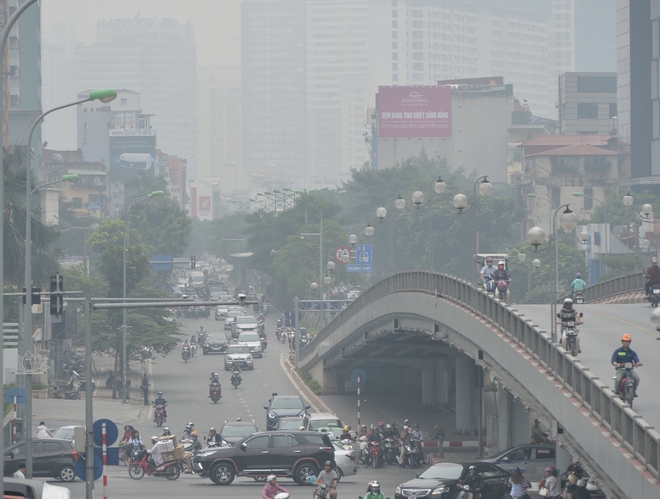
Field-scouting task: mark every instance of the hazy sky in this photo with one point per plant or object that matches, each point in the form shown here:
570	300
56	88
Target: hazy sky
217	22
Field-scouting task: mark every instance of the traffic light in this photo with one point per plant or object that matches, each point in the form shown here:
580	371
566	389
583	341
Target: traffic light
36	296
56	294
193	263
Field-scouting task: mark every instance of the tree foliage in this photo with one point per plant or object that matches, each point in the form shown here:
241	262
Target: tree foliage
164	227
620	214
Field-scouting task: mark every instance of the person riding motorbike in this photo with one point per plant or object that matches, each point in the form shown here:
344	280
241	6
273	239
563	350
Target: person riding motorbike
363	431
187	433
373	491
329	478
236	371
620	357
405	439
566	314
214	378
213	439
346	435
201	331
155	454
538	435
488	270
184	345
474	481
193	339
578	284
501	274
551	482
271	489
160	400
652	275
417	434
261	318
166	432
190	450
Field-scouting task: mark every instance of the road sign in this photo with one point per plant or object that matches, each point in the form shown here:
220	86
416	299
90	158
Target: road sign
111	432
19	393
81	471
94	205
364	254
361	372
359	268
166	265
341	252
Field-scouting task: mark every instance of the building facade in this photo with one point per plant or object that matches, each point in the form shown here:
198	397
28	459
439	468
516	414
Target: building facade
587	103
156	58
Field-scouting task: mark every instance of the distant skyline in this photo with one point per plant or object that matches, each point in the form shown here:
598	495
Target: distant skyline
216	22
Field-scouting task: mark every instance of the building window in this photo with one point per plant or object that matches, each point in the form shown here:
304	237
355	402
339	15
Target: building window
418	56
418	35
77	203
555	195
418	77
612	110
124	102
588	198
587	111
418	66
395	66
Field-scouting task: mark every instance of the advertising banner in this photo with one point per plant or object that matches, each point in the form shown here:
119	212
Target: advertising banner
414	111
132	152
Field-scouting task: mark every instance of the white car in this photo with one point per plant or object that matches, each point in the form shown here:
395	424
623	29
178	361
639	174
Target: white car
353	294
317	421
231	314
243	323
253	342
221	312
239	354
346	460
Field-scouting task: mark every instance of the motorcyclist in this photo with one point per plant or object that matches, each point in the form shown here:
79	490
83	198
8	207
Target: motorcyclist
271	489
160	400
236	369
501	274
261	318
363	431
156	453
652	275
214	378
213	439
187	433
551	482
184	345
166	432
329	478
488	270
417	434
373	491
538	434
405	439
346	435
474	481
566	314
577	284
620	357
190	450
201	331
193	339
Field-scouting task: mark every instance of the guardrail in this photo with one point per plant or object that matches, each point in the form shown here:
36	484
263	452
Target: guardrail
614	286
628	427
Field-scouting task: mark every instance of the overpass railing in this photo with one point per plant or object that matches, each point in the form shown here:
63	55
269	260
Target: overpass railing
628	427
614	286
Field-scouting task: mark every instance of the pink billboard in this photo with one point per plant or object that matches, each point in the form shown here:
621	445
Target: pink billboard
414	111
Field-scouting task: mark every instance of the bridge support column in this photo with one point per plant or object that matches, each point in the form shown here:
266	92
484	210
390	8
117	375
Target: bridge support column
520	421
504	426
466	417
441	383
429	383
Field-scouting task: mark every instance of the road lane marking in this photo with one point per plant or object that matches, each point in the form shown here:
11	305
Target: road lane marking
631	324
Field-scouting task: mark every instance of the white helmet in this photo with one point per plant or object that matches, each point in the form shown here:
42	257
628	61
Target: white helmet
568	301
271	477
501	262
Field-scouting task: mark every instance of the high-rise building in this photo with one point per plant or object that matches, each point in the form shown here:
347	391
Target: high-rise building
156	58
274	83
58	43
587	103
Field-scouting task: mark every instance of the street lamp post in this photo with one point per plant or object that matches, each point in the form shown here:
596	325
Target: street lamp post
439	187
123	335
647	209
461	204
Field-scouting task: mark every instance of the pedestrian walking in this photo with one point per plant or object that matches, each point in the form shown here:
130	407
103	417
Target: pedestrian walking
440	437
43	431
20	472
145	388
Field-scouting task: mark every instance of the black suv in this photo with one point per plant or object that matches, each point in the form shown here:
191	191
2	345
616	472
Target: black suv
295	454
283	405
51	458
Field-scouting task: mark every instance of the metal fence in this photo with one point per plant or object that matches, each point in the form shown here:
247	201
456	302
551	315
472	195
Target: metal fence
630	429
614	286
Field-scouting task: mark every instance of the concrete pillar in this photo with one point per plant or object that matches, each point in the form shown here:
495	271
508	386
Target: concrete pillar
465	416
522	429
428	383
504	428
441	379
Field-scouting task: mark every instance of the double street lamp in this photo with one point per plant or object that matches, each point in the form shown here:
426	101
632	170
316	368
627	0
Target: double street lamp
642	216
124	360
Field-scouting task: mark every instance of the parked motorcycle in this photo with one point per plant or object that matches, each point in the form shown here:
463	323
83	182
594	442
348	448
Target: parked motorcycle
110	382
78	381
170	470
236	379
59	393
215	391
185	354
654	297
159	415
627	386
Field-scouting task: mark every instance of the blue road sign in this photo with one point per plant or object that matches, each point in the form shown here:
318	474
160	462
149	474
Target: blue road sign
19	393
358	268
166	265
361	372
94	205
364	254
111	432
81	470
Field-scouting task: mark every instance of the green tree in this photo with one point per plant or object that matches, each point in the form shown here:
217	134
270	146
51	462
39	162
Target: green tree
620	214
164	227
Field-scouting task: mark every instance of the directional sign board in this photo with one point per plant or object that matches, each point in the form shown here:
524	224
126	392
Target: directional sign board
363	259
19	393
94	206
166	265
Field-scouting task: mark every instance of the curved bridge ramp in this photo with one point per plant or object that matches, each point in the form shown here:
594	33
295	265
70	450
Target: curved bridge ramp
613	441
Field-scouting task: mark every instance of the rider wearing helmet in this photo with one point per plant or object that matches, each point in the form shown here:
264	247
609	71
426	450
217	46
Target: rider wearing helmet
652	275
346	435
271	489
577	284
373	491
474	481
213	440
567	313
488	270
187	433
551	482
160	400
329	478
501	274
620	357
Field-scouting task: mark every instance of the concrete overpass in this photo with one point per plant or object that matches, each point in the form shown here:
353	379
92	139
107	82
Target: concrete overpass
444	337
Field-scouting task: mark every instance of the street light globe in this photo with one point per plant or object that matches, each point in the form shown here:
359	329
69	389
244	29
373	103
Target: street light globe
331	265
460	201
583	236
400	203
439	186
522	256
381	213
418	198
327	279
628	199
314	286
345	257
485	188
535	237
369	230
647	209
568	220
536	263
353	239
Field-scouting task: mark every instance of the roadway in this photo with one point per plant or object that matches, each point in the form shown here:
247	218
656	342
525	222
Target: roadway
601	334
185	386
